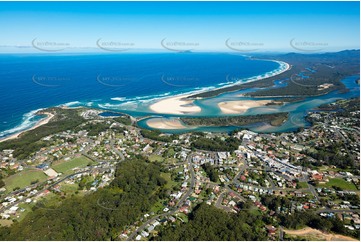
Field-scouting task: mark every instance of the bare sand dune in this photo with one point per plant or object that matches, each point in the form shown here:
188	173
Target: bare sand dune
175	105
162	123
239	107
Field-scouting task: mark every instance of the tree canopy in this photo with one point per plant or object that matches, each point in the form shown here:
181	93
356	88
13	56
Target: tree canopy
98	216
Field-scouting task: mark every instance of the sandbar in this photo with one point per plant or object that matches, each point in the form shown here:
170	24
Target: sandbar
240	107
175	105
163	123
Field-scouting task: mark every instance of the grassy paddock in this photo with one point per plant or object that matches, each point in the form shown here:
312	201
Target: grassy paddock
303	185
339	182
66	167
154	158
23	179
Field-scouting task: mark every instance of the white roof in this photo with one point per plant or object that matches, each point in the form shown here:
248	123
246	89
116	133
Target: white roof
14	208
50	172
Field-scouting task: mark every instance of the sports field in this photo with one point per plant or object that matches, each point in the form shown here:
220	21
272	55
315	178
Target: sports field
339	182
66	167
24	179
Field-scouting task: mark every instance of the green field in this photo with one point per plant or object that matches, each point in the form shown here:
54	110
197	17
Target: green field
27	208
66	167
153	158
158	207
170	183
69	188
182	216
339	182
23	179
303	185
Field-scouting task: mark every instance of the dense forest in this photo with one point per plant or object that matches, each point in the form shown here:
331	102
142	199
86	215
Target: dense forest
343	107
101	215
274	119
329	155
215	144
123	120
156	135
211	172
208	223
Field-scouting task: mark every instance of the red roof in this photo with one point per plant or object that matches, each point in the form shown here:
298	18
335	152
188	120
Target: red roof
317	176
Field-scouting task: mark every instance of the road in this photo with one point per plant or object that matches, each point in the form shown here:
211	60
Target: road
47	188
219	203
116	150
313	191
176	207
329	210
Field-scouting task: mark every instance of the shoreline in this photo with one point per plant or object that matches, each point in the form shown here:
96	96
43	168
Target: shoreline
38	124
178	104
183	104
284	66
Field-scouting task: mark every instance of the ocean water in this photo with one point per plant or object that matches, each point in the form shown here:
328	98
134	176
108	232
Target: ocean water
121	82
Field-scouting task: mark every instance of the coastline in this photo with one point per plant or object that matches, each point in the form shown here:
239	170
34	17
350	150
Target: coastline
38	124
284	66
182	104
178	104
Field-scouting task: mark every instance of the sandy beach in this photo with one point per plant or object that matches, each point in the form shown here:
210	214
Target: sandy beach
162	123
181	105
175	105
240	107
40	123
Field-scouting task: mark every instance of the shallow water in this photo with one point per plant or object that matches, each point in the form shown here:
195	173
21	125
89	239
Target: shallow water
297	110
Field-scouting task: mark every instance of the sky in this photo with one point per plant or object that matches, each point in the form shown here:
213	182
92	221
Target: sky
197	26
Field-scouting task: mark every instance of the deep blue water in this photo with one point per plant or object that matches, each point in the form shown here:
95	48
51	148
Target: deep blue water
33	81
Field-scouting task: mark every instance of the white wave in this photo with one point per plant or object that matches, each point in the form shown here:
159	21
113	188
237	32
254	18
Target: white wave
118	99
108	105
129	104
150	97
26	123
71	103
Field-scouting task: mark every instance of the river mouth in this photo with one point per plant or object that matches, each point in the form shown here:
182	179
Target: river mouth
296	119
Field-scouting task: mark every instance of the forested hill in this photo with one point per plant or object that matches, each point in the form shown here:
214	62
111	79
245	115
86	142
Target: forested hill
208	223
97	216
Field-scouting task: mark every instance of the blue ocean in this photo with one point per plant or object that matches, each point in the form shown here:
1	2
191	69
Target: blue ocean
30	82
